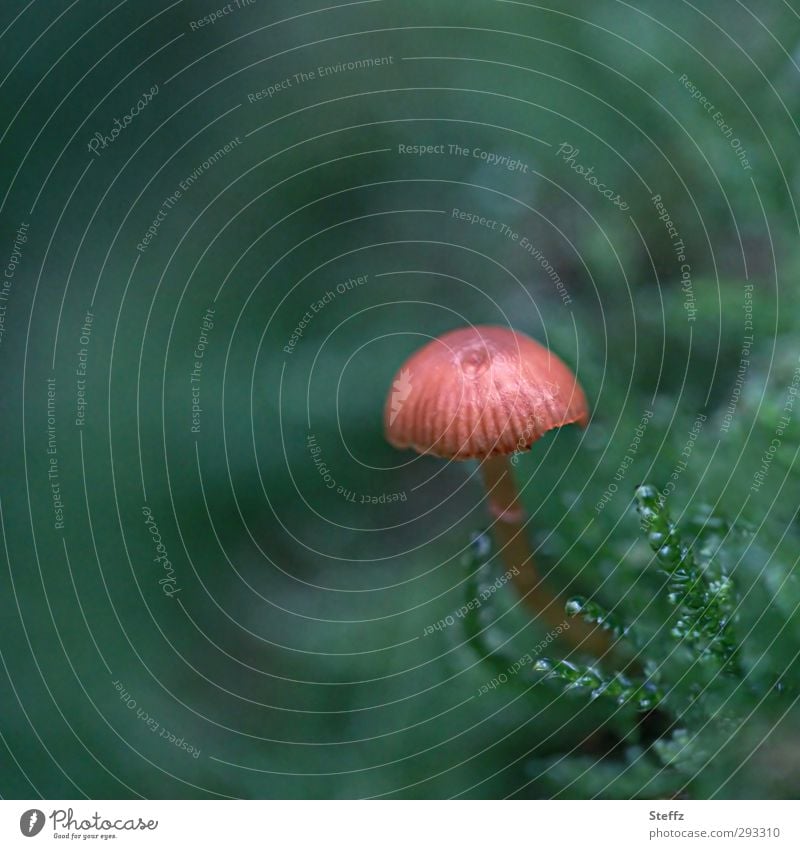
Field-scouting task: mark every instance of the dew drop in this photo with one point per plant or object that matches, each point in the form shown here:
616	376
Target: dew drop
481	544
668	555
645	703
573	607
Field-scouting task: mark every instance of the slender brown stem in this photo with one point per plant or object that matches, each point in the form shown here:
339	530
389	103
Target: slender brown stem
509	532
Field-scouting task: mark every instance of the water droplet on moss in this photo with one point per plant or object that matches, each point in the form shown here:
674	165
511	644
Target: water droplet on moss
668	555
481	544
574	606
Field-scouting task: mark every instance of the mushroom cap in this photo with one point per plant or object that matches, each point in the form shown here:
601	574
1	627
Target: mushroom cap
480	391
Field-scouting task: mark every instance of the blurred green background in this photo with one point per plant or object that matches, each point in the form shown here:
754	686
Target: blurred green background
287	645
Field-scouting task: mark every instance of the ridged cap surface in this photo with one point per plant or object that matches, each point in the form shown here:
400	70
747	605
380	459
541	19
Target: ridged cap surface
480	391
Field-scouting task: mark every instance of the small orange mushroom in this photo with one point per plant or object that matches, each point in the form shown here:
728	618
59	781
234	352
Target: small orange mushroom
485	393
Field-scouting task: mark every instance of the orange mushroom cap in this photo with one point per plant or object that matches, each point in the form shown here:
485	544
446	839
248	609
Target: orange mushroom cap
481	391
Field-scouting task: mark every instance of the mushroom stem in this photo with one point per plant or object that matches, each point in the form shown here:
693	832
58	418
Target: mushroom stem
509	532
